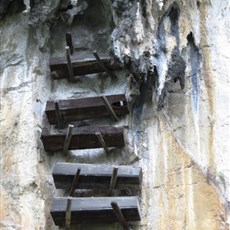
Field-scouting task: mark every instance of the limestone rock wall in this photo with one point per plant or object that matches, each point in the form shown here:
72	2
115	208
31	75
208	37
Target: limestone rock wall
179	121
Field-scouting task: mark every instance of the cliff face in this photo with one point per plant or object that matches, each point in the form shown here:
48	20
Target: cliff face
177	56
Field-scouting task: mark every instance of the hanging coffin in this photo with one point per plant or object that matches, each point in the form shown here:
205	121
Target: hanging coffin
86	108
86	137
95	209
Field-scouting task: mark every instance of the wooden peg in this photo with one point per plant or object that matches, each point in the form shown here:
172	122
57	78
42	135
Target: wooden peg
75	182
121	219
69	64
113	180
109	108
58	115
68	138
68	213
69	42
103	66
102	141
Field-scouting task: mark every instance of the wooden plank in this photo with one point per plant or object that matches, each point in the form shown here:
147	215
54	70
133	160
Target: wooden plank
86	108
82	66
83	138
95	210
94	176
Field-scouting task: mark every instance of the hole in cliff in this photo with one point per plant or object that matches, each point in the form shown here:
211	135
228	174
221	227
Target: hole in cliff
11	8
96	15
174	13
90	23
144	8
190	38
198	4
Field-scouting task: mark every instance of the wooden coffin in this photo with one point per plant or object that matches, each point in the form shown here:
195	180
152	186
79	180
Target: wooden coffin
94	176
81	66
83	138
94	210
86	108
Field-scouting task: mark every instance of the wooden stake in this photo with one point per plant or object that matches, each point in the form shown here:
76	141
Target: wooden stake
68	139
68	213
102	141
75	182
58	116
103	66
121	219
113	180
69	42
69	64
109	108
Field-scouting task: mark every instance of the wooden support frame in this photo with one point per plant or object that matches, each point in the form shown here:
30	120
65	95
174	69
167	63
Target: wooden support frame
87	108
69	65
103	66
75	182
109	107
102	142
69	42
95	209
120	217
69	200
58	115
82	65
68	139
83	138
113	180
68	213
96	176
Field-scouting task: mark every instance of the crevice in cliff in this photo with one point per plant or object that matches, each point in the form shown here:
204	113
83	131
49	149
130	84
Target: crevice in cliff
8	8
195	59
170	64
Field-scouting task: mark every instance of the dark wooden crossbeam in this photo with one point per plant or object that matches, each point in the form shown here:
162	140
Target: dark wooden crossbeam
83	138
95	210
86	108
81	66
95	176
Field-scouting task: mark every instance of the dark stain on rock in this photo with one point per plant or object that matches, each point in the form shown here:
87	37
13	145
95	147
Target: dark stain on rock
177	65
195	69
176	71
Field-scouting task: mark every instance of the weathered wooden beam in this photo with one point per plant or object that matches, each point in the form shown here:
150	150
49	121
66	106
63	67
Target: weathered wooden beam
95	210
86	108
95	176
82	66
83	138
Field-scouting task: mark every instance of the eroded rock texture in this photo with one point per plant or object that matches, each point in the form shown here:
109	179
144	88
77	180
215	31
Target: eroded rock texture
177	81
